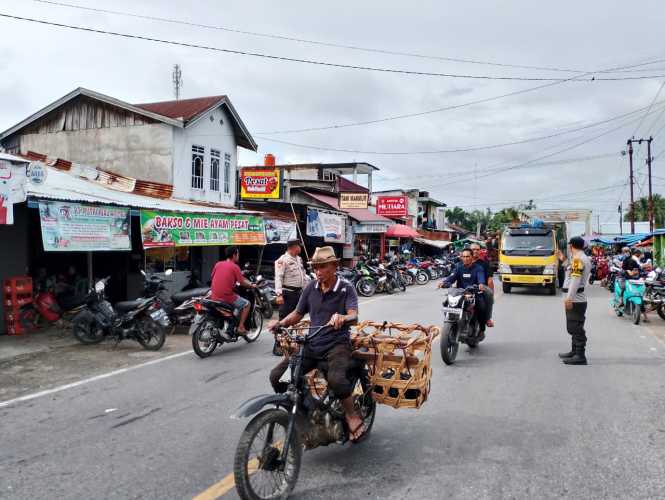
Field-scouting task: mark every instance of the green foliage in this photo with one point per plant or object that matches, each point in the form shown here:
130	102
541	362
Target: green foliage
641	208
489	221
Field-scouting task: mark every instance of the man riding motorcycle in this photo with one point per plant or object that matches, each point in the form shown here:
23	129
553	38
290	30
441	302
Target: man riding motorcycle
466	274
631	270
330	300
488	292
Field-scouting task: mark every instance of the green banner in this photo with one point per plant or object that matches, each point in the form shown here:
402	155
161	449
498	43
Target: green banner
169	229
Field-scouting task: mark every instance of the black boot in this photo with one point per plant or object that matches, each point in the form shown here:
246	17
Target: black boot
578	358
567	355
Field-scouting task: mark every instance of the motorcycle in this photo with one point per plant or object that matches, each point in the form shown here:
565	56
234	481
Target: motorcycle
216	322
366	284
633	303
654	294
269	452
142	320
263	296
460	323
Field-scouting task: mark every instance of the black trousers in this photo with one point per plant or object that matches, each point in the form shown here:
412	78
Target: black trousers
575	318
291	298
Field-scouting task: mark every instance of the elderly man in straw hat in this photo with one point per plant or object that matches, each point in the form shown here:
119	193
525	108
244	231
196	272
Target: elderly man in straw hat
329	300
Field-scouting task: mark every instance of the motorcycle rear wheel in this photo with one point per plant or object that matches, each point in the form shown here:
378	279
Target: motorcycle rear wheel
150	335
422	277
636	314
255	466
661	311
408	279
366	287
449	343
202	344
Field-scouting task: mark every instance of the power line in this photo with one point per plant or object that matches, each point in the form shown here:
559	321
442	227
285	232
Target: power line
318	62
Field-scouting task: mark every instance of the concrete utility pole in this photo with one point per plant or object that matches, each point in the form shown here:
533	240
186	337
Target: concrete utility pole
650	199
632	200
620	219
651	215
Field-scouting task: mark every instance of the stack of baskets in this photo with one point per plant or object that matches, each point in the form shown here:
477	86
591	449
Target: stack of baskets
399	360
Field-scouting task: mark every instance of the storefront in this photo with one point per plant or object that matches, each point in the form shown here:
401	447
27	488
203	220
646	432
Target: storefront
399	238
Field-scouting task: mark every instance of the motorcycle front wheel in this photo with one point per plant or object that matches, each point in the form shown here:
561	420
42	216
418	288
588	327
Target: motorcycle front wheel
366	287
636	313
150	335
449	343
86	330
422	277
256	467
256	320
203	340
661	311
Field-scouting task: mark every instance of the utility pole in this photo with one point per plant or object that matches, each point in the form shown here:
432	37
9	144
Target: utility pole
620	219
651	217
632	200
177	81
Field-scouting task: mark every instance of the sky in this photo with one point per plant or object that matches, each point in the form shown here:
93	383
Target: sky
580	165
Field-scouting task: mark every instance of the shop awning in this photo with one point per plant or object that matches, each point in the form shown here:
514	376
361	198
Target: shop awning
401	231
359	214
441	244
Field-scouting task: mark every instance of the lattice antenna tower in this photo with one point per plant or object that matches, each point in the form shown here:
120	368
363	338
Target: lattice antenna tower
177	81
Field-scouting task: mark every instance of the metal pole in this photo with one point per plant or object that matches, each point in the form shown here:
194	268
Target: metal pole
90	278
620	219
651	215
632	199
302	238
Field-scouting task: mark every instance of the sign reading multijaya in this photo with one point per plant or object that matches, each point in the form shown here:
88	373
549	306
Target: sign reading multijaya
68	227
168	229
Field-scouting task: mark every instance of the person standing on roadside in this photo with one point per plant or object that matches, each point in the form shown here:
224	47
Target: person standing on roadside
290	279
488	291
578	269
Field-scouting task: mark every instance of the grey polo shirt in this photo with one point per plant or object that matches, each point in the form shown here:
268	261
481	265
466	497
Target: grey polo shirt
339	299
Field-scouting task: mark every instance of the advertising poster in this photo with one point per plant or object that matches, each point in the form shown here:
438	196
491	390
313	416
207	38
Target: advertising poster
260	183
70	227
6	205
325	225
392	206
279	231
176	229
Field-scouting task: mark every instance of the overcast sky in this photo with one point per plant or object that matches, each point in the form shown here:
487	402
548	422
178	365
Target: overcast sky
39	64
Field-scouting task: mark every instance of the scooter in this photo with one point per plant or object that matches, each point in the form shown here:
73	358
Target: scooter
633	299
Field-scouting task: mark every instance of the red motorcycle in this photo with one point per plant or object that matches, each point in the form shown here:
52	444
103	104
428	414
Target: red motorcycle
600	270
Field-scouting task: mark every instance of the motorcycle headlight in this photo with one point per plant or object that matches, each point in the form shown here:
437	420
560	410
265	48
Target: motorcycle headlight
549	269
504	269
453	301
99	286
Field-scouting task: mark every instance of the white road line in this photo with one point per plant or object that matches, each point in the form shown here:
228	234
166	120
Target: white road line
61	388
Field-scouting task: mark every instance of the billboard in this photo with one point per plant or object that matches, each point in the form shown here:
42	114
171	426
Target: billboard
392	206
264	183
353	200
175	229
70	227
330	227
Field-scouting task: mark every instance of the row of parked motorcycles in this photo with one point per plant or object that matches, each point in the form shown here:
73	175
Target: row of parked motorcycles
371	276
640	295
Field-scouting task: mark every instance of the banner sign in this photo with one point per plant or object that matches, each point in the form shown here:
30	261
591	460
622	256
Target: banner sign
370	228
353	200
71	227
279	231
325	225
392	206
177	229
6	204
260	183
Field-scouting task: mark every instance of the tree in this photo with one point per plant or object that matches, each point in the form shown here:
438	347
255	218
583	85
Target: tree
458	216
641	208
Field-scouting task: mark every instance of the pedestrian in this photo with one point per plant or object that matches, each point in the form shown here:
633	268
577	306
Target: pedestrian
578	269
290	279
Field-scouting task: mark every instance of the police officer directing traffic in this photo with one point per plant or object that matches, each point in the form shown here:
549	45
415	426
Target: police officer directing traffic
578	269
290	279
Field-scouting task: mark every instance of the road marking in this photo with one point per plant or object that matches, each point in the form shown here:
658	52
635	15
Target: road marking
61	388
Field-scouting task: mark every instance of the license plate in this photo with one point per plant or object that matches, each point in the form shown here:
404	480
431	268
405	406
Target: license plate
452	310
197	319
157	315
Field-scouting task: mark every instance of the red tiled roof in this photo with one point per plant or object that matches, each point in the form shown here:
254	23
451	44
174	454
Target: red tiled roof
185	109
359	214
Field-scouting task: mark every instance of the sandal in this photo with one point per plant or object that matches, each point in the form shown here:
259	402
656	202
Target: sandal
353	433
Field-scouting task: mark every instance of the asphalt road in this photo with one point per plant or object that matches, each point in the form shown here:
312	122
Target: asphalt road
506	421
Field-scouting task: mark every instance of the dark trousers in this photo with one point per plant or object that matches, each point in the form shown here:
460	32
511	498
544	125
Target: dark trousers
335	364
291	298
575	318
481	311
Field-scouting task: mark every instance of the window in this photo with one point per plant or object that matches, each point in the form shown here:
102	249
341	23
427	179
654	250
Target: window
214	169
227	173
329	175
197	167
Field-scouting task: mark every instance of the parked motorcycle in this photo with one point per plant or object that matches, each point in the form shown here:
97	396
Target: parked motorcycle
216	322
269	452
366	283
142	320
654	294
633	303
460	323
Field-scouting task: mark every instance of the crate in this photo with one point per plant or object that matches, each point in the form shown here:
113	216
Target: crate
399	360
16	294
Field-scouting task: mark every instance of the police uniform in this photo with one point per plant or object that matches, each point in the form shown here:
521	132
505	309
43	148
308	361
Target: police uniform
578	269
290	278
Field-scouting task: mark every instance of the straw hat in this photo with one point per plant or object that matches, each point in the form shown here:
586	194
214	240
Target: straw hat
323	255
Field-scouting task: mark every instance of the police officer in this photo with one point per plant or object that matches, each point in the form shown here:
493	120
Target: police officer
290	279
578	269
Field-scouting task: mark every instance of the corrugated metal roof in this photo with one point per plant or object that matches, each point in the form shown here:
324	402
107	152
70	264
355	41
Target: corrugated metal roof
359	214
433	243
63	186
183	109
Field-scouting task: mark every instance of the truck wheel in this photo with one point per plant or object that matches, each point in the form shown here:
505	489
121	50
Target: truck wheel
506	287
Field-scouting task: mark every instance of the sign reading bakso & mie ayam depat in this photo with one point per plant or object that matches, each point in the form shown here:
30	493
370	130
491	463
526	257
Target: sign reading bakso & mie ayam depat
392	206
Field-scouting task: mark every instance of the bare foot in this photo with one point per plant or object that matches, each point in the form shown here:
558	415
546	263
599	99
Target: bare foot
355	424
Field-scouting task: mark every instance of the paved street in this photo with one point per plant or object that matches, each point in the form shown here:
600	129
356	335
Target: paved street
506	421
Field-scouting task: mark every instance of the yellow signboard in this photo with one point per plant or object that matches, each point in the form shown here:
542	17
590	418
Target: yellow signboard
263	183
353	200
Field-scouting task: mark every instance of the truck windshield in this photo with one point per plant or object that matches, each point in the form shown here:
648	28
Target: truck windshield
528	244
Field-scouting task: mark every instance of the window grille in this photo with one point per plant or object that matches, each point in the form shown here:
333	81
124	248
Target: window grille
198	153
214	169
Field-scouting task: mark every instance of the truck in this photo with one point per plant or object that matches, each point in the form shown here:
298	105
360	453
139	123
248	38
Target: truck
528	255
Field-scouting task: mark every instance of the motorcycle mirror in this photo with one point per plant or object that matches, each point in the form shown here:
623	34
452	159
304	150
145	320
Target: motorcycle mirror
259	278
142	272
99	286
168	272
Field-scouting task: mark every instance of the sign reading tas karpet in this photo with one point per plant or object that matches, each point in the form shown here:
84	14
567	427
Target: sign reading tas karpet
176	229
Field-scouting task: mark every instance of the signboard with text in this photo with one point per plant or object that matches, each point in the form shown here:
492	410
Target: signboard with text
353	200
330	227
392	206
264	183
176	229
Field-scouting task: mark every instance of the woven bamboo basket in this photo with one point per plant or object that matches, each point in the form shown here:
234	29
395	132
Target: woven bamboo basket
399	360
